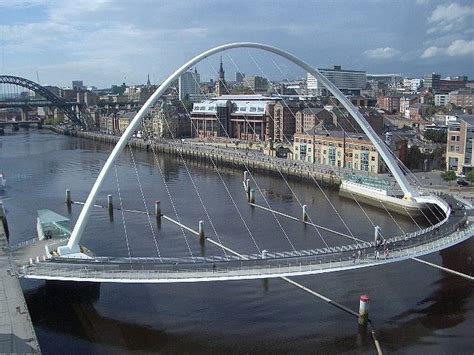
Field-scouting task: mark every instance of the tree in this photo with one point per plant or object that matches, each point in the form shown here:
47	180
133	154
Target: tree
448	176
436	136
470	176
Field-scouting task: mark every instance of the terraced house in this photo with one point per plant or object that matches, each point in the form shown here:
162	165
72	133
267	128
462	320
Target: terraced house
337	149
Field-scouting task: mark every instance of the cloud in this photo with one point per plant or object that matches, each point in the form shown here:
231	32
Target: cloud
431	52
382	53
458	48
452	17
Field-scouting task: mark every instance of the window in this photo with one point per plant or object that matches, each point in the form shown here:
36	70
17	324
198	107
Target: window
253	109
457	148
457	138
453	138
260	109
373	158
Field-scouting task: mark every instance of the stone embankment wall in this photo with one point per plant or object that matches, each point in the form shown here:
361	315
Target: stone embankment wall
232	158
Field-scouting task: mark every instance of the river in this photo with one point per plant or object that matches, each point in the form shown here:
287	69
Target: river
415	308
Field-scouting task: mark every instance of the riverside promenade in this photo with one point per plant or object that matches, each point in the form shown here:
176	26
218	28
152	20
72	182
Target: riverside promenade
17	335
206	153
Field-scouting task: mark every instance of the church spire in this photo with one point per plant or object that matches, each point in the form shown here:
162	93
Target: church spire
221	87
221	71
148	83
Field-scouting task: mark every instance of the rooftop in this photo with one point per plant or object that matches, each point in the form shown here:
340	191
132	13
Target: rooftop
312	110
247	97
469	119
336	134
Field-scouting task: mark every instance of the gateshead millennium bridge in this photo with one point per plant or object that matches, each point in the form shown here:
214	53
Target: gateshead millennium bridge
68	260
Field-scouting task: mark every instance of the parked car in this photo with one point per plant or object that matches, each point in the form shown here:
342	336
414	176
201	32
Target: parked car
462	182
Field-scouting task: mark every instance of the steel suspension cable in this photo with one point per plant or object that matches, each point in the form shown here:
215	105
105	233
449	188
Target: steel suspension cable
168	192
122	213
222	179
332	205
281	174
144	203
196	190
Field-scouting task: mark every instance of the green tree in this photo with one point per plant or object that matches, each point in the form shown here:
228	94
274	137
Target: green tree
448	176
470	176
436	136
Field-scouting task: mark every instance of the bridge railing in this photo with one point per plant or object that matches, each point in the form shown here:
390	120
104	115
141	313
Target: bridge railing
341	260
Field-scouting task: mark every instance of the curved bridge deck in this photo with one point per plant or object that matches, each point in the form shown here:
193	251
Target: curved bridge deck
242	267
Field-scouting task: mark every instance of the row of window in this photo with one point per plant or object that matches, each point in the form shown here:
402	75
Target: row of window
350	165
251	109
331	144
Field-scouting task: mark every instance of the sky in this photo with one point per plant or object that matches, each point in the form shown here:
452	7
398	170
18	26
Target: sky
105	42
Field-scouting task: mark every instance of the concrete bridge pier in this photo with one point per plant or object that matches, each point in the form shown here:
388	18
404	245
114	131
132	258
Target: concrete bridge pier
24	113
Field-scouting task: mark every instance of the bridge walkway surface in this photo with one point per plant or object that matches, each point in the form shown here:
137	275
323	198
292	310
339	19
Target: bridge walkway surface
305	262
17	335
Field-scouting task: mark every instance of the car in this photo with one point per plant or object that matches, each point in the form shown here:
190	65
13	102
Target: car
462	182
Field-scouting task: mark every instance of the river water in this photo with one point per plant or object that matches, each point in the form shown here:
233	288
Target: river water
415	308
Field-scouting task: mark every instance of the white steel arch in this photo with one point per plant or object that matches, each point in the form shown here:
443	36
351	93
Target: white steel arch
409	191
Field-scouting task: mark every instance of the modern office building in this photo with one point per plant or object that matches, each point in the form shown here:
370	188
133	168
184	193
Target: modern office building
441	99
459	152
239	77
348	81
257	84
432	81
188	84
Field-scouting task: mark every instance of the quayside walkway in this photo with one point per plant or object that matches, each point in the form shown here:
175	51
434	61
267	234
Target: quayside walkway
242	267
17	334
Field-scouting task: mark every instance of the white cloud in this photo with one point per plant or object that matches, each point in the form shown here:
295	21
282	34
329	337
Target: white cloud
431	52
457	48
452	17
382	53
460	47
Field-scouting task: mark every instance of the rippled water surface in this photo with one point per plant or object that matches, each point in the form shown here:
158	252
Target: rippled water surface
416	309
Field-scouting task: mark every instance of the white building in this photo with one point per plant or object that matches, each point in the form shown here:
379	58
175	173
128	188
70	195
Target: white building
188	84
441	99
348	81
412	84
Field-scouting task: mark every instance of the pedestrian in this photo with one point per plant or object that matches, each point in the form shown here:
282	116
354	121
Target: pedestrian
213	267
377	254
